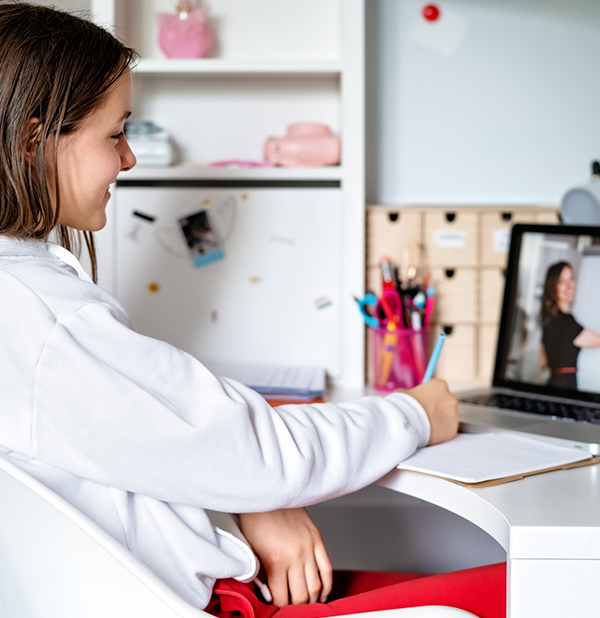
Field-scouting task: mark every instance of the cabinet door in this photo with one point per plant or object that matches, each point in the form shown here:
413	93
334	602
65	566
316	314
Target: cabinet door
274	296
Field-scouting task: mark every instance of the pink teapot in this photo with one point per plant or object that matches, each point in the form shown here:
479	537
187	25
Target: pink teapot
307	144
185	34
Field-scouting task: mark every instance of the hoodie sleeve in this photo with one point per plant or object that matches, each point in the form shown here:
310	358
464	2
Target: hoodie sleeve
132	412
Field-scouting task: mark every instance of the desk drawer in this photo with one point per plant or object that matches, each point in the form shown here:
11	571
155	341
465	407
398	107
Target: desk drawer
491	291
486	350
456	295
495	234
451	238
458	358
391	232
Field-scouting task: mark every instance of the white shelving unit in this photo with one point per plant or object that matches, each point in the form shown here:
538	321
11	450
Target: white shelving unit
275	63
240	68
192	171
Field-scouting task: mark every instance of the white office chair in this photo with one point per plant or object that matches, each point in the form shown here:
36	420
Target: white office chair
57	563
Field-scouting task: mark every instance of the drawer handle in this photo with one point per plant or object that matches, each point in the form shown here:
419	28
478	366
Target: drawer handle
450	216
393	216
448	330
506	216
450	273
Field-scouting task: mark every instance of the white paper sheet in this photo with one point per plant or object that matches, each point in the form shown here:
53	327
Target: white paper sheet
478	457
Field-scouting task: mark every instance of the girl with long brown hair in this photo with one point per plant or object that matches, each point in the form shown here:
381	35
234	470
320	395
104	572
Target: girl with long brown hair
134	432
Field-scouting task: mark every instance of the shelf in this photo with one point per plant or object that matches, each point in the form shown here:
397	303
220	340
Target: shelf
200	172
220	67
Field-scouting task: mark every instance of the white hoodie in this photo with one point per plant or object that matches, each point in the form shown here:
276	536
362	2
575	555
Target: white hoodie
145	441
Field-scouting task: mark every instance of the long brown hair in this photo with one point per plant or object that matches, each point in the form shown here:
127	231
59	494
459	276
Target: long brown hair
54	67
549	308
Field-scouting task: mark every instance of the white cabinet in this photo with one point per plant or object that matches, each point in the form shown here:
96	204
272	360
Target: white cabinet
274	63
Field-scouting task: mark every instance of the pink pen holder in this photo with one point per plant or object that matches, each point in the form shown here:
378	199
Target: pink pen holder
399	357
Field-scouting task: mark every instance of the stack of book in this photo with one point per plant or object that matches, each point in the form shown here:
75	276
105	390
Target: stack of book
278	384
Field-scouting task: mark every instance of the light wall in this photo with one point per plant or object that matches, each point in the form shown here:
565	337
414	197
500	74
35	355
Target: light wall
513	117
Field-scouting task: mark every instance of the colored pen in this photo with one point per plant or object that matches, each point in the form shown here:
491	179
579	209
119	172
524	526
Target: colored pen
387	276
386	357
434	357
389	312
429	304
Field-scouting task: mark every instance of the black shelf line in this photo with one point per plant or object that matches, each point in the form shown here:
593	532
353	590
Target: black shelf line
229	184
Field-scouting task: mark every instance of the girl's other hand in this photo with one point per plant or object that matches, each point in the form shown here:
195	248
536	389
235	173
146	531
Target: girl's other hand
292	553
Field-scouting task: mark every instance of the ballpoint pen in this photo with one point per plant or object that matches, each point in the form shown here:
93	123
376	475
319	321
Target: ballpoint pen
434	357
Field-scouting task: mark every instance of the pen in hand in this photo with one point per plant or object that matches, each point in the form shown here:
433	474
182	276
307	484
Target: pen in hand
434	357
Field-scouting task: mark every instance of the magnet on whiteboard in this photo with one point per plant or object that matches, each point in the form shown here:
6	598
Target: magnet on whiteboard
213	316
282	239
444	33
255	279
244	196
153	287
322	302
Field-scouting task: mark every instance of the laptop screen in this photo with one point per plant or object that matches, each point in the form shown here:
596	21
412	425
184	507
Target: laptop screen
549	337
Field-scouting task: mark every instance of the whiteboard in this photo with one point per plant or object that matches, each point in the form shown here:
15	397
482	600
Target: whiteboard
273	298
586	312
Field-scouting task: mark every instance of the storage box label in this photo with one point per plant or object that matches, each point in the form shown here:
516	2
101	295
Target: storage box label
450	239
501	240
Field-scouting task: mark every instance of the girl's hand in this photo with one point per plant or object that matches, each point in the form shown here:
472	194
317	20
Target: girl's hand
291	551
441	407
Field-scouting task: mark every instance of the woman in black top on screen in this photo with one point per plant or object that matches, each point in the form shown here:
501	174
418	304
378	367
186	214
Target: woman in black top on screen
562	335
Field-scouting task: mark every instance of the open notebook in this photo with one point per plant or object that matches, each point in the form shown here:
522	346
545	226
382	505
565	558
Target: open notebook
473	458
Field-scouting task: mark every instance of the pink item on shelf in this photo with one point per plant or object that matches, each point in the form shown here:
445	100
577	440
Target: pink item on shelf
239	163
185	34
306	144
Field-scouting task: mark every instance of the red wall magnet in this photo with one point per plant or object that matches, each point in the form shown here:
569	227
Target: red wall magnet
431	12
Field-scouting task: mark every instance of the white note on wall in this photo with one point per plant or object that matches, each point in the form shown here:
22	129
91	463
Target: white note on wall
443	35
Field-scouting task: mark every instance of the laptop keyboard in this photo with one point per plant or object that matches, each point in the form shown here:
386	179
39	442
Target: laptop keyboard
575	412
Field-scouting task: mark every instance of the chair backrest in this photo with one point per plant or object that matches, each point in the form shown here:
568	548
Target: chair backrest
57	563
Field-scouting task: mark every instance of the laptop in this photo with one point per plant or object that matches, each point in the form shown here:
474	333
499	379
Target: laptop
546	378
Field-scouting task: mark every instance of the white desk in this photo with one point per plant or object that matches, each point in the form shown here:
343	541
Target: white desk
549	526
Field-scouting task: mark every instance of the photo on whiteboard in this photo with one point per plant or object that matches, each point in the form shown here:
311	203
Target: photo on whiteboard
555	332
202	238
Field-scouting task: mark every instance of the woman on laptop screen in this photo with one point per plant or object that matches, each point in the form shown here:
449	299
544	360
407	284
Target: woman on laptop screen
562	335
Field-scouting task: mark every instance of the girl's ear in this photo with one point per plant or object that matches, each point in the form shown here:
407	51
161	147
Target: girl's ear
31	136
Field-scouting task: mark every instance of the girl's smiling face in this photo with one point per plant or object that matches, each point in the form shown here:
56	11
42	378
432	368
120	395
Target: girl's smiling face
90	158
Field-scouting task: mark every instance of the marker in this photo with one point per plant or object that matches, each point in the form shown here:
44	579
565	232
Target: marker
429	304
434	357
387	277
